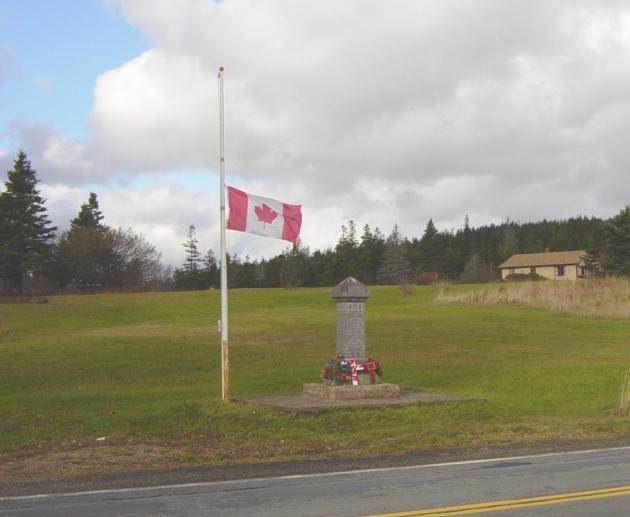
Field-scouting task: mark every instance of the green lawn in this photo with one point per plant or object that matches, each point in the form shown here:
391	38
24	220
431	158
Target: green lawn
143	370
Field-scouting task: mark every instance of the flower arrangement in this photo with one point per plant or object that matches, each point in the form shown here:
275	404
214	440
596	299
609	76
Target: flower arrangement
340	371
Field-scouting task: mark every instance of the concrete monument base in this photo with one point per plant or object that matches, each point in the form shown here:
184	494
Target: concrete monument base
345	392
314	404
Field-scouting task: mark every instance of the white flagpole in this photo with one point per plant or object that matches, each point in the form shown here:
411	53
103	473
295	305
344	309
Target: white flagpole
225	362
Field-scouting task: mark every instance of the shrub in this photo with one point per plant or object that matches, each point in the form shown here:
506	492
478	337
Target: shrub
520	277
426	278
477	271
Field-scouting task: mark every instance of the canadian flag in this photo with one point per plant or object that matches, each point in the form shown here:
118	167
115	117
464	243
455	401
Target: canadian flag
263	216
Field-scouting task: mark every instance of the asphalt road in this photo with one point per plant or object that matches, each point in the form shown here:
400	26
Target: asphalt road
575	483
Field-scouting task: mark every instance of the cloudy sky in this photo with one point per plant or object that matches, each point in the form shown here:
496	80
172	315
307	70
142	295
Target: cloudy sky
379	112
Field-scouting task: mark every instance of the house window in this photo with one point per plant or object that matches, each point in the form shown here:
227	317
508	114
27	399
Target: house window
559	270
510	271
532	270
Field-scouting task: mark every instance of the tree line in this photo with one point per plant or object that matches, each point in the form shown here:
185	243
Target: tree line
466	254
92	256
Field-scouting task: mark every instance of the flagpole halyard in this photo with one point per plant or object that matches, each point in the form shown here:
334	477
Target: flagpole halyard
225	361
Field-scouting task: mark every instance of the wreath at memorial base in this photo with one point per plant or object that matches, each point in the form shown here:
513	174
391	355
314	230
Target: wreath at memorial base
349	371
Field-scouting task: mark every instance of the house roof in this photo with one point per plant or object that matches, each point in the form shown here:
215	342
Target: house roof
549	258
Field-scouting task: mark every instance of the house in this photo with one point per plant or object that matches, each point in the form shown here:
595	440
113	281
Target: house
554	265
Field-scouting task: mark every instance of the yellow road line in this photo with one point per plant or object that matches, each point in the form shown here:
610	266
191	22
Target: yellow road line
514	504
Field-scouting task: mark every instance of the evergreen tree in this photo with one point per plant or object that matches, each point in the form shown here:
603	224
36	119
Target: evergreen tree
289	269
370	254
189	276
270	272
211	270
294	267
593	261
193	257
247	273
617	244
324	267
430	231
25	231
346	253
84	256
234	271
395	268
509	244
466	240
429	249
89	217
457	250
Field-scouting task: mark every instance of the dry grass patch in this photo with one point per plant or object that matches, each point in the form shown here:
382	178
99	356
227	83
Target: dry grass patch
604	298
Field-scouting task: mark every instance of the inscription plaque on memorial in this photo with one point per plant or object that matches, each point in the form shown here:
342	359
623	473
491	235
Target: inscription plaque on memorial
350	296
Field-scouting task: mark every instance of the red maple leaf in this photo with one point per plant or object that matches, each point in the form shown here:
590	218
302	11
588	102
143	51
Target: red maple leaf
265	213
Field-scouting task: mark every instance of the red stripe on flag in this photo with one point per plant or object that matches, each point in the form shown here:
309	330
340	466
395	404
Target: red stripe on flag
237	200
292	222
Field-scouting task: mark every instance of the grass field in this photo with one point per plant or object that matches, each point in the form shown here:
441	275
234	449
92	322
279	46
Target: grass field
142	370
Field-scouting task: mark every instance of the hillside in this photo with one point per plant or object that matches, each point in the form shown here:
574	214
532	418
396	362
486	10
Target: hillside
141	371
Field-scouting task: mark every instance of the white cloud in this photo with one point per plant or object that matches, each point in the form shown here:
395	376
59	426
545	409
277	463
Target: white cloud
154	113
380	112
55	157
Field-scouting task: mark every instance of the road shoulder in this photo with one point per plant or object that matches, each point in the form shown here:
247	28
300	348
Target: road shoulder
183	475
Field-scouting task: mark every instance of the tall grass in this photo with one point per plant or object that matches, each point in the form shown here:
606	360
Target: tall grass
604	298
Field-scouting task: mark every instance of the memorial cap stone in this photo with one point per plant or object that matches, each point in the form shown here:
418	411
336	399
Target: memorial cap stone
350	289
350	296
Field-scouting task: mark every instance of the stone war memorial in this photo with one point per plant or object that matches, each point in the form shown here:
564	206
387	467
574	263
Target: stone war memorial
352	378
352	374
